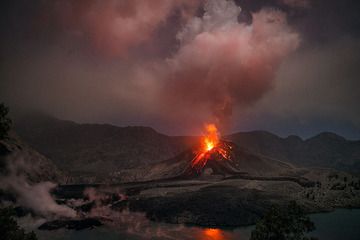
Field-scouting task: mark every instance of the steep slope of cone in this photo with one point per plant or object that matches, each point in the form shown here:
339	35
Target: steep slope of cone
239	161
220	160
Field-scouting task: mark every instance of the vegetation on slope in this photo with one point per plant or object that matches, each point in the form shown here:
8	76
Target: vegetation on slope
288	223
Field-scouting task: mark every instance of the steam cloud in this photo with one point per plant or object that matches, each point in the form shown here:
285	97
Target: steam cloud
35	196
222	62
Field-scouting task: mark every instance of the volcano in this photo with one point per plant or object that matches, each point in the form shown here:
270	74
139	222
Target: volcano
213	154
237	161
211	158
219	160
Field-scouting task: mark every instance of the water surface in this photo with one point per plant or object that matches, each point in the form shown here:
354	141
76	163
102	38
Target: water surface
340	224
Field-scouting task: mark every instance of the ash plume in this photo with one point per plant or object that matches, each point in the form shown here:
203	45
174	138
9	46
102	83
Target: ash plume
222	62
115	27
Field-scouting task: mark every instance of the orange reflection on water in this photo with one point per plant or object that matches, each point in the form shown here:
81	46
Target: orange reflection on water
212	234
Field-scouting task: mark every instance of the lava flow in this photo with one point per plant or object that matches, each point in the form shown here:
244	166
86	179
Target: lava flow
210	145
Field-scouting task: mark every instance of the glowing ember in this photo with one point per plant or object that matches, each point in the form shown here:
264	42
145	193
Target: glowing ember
210	145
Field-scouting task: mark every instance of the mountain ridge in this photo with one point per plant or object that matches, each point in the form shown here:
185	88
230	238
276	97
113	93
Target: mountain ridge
100	147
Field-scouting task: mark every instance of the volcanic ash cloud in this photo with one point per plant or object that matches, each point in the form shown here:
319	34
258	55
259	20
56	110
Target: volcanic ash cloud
115	27
222	62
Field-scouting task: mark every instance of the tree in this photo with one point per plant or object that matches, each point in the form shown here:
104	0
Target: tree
5	122
10	230
287	223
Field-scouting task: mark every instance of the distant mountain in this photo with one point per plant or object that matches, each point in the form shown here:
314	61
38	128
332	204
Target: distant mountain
323	150
100	148
89	148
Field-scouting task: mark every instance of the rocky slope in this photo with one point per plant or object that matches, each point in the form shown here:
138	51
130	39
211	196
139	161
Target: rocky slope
97	148
19	159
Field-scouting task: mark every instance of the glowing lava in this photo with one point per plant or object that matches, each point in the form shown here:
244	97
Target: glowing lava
212	137
210	145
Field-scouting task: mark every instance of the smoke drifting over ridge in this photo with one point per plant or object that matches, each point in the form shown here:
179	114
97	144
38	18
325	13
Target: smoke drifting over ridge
221	62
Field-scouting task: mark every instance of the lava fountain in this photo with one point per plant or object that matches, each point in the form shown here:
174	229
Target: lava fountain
210	146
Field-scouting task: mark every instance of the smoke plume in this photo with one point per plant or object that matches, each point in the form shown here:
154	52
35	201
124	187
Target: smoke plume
222	62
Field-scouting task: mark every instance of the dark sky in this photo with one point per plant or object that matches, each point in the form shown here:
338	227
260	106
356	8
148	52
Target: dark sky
287	66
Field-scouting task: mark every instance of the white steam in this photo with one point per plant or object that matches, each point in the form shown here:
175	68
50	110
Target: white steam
35	196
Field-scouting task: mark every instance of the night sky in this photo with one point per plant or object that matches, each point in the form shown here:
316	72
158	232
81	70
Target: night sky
286	66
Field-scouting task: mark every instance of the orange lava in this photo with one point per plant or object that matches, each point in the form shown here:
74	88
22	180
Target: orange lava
212	137
210	144
212	234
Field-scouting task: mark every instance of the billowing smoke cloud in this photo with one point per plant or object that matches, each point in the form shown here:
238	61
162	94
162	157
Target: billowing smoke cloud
35	196
222	62
114	27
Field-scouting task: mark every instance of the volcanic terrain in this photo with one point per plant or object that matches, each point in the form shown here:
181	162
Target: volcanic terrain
190	180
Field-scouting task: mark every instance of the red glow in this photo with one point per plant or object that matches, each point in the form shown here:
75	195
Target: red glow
210	145
212	234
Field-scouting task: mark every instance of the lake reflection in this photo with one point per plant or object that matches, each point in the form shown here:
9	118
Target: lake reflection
212	234
340	224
